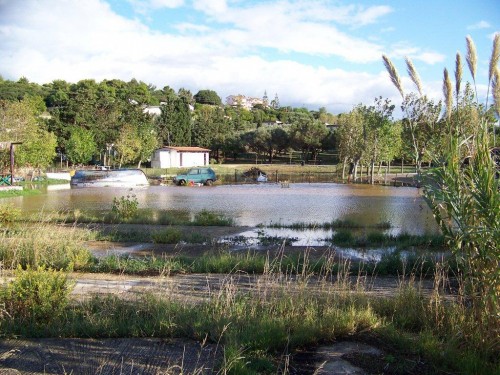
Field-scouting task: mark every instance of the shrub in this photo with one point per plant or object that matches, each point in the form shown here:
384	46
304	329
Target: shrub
167	236
125	207
207	218
36	296
9	214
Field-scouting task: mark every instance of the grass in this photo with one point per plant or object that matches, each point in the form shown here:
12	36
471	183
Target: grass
18	193
142	216
335	224
349	238
255	328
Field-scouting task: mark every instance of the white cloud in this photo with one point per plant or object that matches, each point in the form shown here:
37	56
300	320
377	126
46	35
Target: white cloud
479	25
210	7
76	40
156	4
404	49
292	27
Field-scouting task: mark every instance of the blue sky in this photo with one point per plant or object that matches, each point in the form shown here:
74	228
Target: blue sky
310	53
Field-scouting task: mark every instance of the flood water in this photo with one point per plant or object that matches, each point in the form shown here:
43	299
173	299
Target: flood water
250	205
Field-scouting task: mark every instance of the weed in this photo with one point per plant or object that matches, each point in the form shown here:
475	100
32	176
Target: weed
125	207
36	296
208	218
167	236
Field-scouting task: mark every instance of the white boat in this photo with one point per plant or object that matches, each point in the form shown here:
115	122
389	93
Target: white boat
58	176
261	177
113	178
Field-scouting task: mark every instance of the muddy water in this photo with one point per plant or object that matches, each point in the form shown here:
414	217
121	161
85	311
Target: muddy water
250	205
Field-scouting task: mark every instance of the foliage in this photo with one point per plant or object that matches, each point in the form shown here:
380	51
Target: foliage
38	151
208	218
81	146
9	214
463	191
174	123
207	97
125	208
307	135
35	296
128	145
168	236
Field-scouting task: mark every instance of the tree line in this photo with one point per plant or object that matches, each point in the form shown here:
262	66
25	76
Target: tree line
95	121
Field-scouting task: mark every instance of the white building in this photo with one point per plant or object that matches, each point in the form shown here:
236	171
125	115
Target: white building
175	157
243	101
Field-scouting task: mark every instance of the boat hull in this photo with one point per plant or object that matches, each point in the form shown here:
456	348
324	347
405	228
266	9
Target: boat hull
111	178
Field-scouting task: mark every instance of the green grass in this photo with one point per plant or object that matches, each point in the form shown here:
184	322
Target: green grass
18	193
335	224
283	315
348	238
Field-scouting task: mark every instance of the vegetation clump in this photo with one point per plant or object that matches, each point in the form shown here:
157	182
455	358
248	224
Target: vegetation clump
125	207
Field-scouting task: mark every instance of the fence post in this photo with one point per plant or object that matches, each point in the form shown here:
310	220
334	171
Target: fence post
276	176
235	176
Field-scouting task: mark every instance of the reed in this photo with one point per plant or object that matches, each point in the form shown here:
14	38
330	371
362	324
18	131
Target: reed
412	72
393	74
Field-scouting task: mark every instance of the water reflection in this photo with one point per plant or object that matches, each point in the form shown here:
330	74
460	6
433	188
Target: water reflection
250	205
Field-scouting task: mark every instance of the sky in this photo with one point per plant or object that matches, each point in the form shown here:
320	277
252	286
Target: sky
310	53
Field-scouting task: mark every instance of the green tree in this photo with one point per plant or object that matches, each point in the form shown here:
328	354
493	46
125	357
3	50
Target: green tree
174	124
148	140
38	150
207	97
377	133
307	134
350	137
211	128
81	146
128	145
18	120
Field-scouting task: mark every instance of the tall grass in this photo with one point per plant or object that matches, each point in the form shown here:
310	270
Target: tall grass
44	245
287	311
463	191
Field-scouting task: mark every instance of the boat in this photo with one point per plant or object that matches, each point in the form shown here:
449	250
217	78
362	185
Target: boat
58	176
112	178
262	177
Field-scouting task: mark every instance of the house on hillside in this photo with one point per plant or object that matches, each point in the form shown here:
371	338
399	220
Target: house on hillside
175	157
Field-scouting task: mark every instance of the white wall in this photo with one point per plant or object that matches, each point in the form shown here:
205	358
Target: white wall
172	159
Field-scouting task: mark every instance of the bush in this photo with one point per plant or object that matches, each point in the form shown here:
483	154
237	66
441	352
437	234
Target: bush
125	207
9	214
167	236
36	296
207	218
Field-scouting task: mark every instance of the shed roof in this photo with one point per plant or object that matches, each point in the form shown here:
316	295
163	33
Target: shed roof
185	149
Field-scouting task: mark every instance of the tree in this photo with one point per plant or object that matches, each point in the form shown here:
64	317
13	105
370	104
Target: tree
186	95
19	123
377	134
207	97
149	142
211	128
38	150
18	120
128	145
174	123
81	146
350	137
307	134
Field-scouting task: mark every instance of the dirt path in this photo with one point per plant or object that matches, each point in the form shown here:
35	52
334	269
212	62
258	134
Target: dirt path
200	287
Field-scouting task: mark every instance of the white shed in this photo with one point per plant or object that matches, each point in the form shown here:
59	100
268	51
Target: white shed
175	157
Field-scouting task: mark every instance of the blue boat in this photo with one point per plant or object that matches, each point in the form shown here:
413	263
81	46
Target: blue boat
112	178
